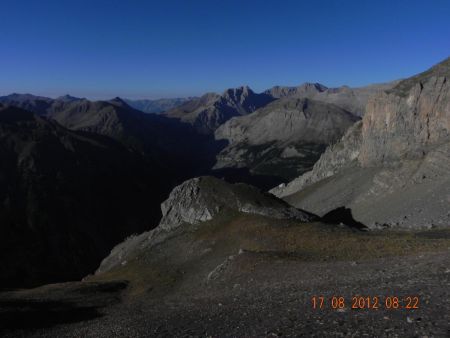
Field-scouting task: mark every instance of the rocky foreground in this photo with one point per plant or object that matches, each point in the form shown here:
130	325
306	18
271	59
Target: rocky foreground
254	296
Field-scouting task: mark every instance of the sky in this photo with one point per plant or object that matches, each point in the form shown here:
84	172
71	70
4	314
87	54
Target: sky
150	49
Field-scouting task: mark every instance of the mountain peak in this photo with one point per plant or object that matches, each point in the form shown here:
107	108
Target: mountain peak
313	86
242	91
68	98
118	102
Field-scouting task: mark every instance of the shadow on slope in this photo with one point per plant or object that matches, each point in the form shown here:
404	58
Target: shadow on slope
343	215
54	304
33	314
244	175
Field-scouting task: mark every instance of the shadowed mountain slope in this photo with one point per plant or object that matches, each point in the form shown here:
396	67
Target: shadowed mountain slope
66	198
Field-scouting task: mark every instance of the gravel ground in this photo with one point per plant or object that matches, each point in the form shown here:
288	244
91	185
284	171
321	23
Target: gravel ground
256	295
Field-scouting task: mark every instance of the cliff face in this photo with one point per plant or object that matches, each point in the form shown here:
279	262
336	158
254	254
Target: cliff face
406	124
392	168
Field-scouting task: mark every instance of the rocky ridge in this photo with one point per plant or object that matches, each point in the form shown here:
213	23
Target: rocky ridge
353	100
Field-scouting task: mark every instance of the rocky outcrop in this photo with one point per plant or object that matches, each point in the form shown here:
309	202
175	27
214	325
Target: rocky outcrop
392	164
289	133
199	200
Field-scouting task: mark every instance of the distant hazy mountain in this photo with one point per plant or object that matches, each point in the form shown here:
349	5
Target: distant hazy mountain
352	99
68	98
157	106
67	197
284	138
393	168
211	110
33	103
40	104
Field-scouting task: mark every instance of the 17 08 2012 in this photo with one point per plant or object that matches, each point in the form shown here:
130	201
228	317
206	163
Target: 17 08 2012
390	302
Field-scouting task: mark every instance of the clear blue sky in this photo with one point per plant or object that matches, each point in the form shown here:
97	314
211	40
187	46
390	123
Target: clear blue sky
166	48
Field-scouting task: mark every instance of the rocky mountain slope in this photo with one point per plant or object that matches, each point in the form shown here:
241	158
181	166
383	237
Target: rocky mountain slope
156	106
67	197
285	138
396	160
211	110
353	100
